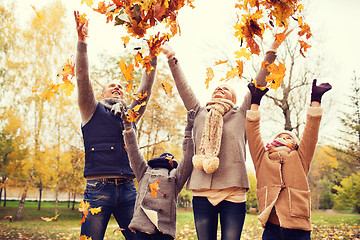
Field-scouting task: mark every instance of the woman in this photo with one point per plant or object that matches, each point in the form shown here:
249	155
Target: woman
219	180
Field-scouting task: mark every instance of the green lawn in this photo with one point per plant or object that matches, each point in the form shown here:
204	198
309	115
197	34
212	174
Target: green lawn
326	224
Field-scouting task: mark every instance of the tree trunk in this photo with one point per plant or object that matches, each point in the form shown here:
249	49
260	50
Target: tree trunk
56	201
69	200
4	196
40	197
1	194
22	202
73	203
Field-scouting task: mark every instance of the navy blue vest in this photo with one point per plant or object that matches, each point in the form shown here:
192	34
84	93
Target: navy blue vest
104	145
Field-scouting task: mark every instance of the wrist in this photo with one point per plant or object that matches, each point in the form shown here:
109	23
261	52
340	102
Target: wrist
316	97
170	55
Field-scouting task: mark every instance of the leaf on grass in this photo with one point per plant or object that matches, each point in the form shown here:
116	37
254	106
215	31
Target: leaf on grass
209	76
50	219
95	210
167	87
127	70
154	188
84	237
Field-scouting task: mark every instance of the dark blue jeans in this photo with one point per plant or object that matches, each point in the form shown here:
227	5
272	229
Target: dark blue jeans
156	236
113	199
275	232
232	216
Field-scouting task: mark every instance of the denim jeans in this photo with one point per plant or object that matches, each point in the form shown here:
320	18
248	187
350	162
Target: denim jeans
232	216
113	199
275	232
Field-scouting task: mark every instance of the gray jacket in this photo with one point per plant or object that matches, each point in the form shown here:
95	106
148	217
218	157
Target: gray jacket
160	211
232	169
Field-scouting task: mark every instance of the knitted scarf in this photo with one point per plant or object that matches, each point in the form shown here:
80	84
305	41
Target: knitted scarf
280	144
206	158
114	104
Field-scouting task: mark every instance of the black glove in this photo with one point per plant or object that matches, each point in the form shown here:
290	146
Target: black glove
190	122
256	93
124	117
318	91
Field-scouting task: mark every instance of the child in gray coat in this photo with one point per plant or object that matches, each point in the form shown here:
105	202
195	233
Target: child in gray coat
160	182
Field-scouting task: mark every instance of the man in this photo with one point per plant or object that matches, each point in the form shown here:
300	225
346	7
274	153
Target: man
107	170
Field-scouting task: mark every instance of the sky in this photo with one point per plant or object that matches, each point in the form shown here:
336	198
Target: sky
207	35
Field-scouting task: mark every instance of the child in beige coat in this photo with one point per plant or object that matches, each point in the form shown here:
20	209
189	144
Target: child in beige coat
281	170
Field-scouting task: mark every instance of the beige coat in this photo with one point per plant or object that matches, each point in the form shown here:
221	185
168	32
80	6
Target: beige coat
282	176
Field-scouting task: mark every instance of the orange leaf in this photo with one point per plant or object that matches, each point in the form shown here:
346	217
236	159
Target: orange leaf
84	237
240	67
127	70
82	18
230	74
132	116
154	187
139	97
129	87
102	8
280	37
209	76
167	87
277	74
303	47
126	40
68	87
84	206
68	70
138	59
221	62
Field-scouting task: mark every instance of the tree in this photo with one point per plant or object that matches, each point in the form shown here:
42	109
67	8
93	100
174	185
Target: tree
44	41
348	193
251	200
349	137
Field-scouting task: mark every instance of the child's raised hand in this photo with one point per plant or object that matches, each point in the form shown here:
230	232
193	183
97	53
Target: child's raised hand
256	93
124	117
318	90
190	120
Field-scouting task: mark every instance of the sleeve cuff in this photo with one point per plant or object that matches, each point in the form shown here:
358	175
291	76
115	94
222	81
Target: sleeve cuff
315	111
252	115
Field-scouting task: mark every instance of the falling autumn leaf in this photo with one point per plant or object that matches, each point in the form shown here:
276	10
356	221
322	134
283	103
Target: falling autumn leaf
126	40
303	47
88	2
132	116
84	237
84	208
167	87
95	210
137	107
38	14
230	74
209	76
220	62
240	68
154	188
82	18
277	74
243	53
50	219
139	97
127	70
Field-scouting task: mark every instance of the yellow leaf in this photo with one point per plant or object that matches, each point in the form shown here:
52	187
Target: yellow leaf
242	53
67	86
167	87
126	40
137	107
230	74
88	2
84	237
240	67
209	76
220	62
95	210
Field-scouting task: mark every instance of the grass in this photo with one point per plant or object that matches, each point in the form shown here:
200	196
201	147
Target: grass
326	224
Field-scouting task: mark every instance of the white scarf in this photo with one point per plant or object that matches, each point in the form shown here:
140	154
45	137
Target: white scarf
206	158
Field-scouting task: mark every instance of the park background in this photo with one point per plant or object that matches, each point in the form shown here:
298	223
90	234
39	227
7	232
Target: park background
41	148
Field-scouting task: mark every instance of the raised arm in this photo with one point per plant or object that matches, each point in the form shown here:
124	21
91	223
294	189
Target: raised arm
86	99
186	93
185	166
256	145
137	161
311	131
146	84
